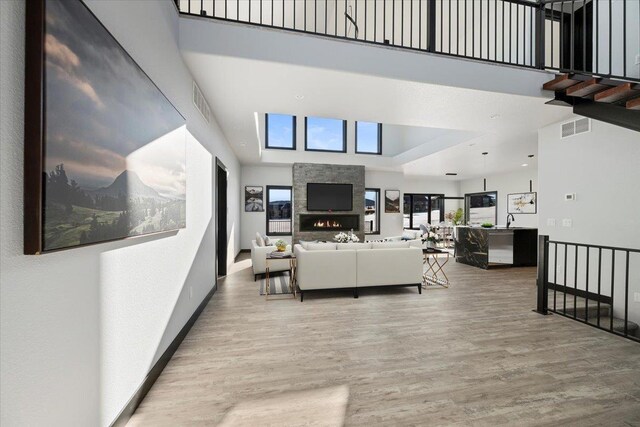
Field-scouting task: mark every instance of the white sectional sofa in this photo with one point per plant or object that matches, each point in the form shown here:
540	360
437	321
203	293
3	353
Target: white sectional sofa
358	265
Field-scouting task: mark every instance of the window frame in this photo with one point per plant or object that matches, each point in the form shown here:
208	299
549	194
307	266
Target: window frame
377	191
379	152
277	187
467	207
306	136
429	219
266	133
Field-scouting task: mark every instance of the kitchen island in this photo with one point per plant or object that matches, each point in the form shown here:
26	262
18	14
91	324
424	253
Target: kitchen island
496	246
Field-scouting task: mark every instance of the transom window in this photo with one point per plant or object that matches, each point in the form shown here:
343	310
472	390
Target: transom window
372	211
325	134
280	131
278	210
368	138
422	209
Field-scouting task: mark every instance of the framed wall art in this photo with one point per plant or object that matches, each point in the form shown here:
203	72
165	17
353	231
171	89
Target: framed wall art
105	150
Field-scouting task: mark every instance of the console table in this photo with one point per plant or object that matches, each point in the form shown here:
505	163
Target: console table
435	275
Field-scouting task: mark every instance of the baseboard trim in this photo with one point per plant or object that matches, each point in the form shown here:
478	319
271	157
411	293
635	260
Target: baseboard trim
137	398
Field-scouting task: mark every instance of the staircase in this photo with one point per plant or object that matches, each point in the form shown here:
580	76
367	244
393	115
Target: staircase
592	314
613	101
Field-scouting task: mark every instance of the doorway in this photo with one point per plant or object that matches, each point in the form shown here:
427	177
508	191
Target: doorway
221	218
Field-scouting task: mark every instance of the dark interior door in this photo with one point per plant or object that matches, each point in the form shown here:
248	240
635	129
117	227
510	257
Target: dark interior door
221	219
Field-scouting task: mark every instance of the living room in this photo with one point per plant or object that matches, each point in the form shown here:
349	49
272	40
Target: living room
147	309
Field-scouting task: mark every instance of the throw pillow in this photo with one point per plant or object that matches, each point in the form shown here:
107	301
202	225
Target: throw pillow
304	243
321	246
259	239
268	242
389	245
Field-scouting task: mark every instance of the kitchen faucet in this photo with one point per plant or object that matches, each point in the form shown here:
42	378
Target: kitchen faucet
509	221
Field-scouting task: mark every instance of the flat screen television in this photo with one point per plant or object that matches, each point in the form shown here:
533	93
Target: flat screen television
329	197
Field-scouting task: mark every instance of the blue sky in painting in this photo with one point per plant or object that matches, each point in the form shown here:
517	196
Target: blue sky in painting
367	137
280	132
324	134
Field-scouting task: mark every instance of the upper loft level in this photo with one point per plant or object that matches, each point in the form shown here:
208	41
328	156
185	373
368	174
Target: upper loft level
584	37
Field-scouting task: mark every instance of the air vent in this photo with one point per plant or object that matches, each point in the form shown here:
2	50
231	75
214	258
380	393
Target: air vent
201	103
576	127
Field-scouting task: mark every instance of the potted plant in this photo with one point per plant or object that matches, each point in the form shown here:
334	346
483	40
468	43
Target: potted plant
431	239
281	245
487	225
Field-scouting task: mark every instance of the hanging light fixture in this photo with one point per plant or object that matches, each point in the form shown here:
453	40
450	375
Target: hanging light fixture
484	168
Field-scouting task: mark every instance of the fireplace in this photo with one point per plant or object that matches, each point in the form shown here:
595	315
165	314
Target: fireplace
329	222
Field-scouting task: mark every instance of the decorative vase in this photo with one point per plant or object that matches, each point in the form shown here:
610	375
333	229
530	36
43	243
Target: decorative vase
281	248
430	244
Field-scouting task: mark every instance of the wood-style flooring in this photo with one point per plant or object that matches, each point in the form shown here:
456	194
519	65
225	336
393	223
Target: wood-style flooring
473	354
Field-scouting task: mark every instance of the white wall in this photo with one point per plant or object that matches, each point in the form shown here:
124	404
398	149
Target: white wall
252	222
515	182
80	328
601	168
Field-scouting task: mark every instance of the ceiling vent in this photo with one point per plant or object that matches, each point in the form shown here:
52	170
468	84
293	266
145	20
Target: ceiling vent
201	103
576	127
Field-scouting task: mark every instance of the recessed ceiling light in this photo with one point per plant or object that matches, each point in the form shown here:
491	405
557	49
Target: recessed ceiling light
451	173
530	156
494	116
299	97
472	144
485	153
242	144
525	164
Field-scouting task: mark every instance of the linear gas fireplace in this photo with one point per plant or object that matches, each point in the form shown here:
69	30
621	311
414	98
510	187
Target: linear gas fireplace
329	222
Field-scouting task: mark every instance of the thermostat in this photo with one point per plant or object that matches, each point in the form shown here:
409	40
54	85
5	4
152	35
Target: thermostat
570	197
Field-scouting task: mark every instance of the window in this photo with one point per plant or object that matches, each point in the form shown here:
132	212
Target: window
481	207
280	131
422	209
372	211
325	134
368	138
278	210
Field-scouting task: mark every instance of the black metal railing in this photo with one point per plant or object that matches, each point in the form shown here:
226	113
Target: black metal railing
590	283
594	37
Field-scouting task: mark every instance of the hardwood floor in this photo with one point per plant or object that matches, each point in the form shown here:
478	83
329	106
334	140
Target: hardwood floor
473	354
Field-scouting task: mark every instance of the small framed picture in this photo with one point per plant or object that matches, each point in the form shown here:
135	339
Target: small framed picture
253	199
522	203
392	201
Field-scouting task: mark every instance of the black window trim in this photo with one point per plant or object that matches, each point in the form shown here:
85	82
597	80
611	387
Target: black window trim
379	152
266	133
344	137
278	187
377	190
429	220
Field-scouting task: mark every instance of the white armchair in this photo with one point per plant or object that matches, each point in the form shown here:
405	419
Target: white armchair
259	260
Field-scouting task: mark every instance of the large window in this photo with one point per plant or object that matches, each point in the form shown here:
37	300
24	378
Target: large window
280	131
422	209
278	210
372	211
368	138
481	207
325	134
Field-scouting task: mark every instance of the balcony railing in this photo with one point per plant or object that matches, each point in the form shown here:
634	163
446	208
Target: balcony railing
574	36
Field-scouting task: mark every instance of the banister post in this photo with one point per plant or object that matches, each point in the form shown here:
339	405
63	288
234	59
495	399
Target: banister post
540	36
543	274
431	25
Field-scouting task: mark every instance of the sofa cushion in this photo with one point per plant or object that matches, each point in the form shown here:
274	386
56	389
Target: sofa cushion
321	246
304	243
344	246
389	245
259	239
268	242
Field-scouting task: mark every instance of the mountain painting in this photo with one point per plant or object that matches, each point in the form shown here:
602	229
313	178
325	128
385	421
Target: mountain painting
114	157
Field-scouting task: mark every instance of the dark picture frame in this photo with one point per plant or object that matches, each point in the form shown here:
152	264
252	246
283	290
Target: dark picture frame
522	203
253	198
118	194
392	201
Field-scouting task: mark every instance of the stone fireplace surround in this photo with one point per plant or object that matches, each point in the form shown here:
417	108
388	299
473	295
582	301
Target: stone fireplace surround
304	173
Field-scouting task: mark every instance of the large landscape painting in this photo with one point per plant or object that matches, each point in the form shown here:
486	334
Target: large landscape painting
114	147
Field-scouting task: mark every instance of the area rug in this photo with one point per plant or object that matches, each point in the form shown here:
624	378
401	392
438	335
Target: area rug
279	284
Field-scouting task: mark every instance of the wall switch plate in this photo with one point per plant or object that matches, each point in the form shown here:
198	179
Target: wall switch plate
551	222
567	222
638	59
636	297
570	197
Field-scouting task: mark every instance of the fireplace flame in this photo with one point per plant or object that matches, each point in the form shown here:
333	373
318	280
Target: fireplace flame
326	223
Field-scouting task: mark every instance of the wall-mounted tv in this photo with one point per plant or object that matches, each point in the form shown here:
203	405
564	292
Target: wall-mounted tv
329	197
